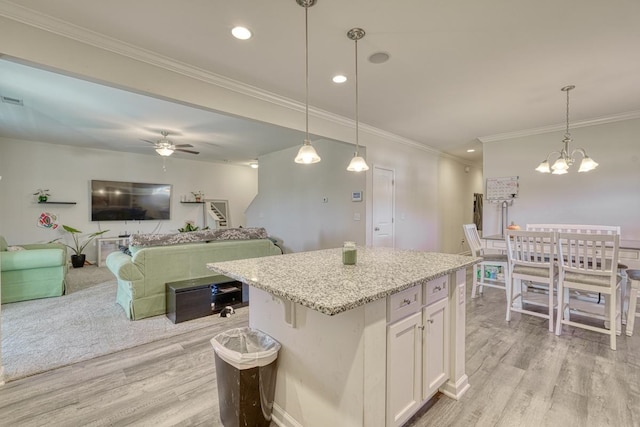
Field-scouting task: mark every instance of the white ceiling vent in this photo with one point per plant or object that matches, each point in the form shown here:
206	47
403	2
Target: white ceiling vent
14	101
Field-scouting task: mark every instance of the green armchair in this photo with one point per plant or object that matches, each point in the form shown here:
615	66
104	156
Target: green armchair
38	271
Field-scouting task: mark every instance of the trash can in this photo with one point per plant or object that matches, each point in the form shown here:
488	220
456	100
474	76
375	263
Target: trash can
246	368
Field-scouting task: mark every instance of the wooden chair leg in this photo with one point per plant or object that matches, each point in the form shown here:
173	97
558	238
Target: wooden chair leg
612	320
509	289
560	308
551	308
631	313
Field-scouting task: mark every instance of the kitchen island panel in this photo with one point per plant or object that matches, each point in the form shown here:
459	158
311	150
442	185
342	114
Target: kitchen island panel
322	365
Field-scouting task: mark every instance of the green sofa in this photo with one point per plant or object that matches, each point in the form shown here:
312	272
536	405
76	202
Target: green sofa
143	274
37	271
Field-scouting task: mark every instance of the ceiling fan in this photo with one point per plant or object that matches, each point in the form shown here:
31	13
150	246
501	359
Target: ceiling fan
165	147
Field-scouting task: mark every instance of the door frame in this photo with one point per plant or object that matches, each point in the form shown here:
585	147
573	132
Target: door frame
373	204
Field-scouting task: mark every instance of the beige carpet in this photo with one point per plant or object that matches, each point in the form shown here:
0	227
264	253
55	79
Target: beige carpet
44	334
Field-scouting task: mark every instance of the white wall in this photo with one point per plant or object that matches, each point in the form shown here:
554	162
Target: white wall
608	195
290	201
66	171
455	202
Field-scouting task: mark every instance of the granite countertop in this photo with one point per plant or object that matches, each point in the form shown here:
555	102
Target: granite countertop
318	279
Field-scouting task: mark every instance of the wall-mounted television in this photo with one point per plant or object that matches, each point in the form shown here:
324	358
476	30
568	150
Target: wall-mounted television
129	201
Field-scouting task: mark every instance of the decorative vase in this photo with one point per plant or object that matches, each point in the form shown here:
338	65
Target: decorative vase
198	199
77	261
42	199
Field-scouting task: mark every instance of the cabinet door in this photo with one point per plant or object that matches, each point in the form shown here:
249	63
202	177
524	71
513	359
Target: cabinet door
435	347
404	368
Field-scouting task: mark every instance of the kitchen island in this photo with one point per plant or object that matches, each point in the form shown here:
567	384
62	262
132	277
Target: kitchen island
362	345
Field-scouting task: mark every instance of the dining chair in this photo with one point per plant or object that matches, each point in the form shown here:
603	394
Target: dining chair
588	263
633	277
483	276
531	260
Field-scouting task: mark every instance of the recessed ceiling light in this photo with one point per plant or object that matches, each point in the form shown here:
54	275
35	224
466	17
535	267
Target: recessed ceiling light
470	150
339	78
379	58
241	33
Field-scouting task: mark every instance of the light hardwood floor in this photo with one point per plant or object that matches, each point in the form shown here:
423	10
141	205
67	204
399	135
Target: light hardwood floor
520	375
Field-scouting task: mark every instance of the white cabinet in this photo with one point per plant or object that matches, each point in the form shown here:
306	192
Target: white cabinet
435	347
417	348
404	369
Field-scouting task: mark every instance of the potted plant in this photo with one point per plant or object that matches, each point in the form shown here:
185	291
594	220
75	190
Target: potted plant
190	226
43	195
198	195
78	258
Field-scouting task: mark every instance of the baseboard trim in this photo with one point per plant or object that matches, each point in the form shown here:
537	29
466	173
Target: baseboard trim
456	390
282	419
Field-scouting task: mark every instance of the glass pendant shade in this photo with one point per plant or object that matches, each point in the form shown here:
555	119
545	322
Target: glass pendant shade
560	164
307	154
164	151
587	164
559	171
357	164
544	167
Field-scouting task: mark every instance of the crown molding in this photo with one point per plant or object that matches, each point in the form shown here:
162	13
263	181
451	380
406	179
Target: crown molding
50	24
560	127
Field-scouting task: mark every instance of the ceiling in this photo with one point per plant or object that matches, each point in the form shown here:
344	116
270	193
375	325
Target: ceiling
458	71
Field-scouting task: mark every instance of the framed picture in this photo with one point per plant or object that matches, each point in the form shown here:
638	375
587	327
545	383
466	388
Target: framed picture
356	196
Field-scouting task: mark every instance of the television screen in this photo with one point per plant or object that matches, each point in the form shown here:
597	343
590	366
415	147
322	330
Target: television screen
129	201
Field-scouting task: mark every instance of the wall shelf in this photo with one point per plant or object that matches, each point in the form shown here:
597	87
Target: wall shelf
56	203
199	203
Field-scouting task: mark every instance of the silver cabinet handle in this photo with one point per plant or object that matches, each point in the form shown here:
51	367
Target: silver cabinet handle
405	302
376	229
421	327
436	289
430	321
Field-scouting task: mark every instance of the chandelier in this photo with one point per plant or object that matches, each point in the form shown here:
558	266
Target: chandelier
564	159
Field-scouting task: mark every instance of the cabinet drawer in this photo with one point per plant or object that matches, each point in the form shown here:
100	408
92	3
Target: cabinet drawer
435	290
404	303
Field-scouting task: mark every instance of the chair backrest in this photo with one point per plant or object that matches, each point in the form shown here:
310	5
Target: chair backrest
575	228
531	249
589	254
473	239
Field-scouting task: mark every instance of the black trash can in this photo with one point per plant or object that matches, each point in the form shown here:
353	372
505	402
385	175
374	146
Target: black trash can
246	368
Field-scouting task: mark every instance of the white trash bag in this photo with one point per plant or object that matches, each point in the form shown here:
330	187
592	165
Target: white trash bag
245	348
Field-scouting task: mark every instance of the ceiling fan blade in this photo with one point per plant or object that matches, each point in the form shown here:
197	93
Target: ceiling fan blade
187	151
182	145
150	142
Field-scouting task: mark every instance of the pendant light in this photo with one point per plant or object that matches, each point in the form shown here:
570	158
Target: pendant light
357	164
307	154
564	160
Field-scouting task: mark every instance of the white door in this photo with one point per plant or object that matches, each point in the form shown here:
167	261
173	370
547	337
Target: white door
383	197
404	365
435	347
